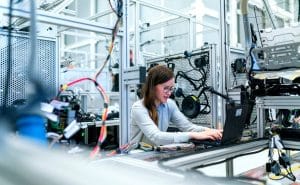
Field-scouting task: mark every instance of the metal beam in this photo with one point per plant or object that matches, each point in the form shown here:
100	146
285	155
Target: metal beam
220	79
207	157
62	20
278	102
295	145
124	88
164	23
58	8
100	14
271	15
167	10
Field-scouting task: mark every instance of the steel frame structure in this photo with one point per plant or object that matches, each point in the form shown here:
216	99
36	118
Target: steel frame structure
273	102
87	25
139	3
123	34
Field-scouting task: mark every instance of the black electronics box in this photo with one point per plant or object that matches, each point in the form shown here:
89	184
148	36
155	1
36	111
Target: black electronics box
290	134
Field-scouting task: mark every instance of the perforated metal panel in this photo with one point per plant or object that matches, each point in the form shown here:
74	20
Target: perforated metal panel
182	64
46	67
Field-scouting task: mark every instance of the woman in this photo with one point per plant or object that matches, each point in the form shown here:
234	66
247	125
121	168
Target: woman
151	115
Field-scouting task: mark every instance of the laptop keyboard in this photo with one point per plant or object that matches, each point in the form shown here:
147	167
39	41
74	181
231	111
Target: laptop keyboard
207	142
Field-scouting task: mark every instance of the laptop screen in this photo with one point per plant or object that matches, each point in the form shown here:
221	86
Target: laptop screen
234	123
236	116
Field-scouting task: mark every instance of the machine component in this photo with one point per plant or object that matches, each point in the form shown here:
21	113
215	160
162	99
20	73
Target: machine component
192	73
279	36
92	131
71	129
152	65
187	54
191	106
275	58
203	60
67	110
274	166
239	65
279	51
179	92
65	117
171	66
201	71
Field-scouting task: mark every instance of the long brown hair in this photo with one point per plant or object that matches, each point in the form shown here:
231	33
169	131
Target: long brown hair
157	75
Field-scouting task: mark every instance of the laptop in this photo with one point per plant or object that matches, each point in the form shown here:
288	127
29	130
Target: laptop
233	128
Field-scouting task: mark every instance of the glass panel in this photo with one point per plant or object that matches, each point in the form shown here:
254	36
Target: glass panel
167	27
263	14
77	53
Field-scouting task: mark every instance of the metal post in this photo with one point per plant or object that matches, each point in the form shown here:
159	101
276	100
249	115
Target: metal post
137	42
192	33
222	60
229	168
215	80
124	90
271	15
260	118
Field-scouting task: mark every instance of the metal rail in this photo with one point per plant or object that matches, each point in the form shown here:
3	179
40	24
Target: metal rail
204	158
62	20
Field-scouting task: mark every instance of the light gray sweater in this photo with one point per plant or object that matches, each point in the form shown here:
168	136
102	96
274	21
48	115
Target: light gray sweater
143	128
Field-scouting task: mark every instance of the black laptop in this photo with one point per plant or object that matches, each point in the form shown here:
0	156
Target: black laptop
233	128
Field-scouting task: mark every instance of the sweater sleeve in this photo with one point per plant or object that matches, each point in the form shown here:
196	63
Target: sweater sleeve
181	121
141	117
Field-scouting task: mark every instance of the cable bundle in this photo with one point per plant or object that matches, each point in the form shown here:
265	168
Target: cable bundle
118	10
282	167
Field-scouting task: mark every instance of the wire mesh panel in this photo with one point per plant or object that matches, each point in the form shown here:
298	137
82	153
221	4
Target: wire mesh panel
45	68
192	72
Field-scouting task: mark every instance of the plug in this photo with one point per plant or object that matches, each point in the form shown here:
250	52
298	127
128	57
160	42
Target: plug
275	168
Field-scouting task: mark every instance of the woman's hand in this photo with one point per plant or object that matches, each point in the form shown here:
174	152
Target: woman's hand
212	134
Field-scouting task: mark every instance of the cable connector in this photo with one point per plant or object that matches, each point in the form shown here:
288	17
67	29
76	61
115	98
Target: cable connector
64	87
284	160
71	129
120	8
275	168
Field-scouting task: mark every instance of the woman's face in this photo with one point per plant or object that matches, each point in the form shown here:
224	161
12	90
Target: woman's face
163	91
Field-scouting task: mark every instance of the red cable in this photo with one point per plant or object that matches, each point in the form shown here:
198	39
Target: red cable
103	131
